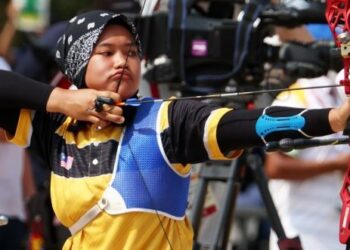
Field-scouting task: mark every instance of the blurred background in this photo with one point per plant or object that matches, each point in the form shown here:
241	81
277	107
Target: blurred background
198	48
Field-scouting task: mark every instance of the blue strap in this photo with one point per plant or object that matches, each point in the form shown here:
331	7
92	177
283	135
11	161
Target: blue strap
267	124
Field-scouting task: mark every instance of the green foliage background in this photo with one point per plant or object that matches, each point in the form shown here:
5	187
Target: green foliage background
59	9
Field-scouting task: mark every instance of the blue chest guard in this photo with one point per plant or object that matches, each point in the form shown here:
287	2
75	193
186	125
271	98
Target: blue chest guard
143	177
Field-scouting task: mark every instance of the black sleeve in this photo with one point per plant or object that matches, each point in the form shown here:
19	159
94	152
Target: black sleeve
8	120
236	130
17	91
183	140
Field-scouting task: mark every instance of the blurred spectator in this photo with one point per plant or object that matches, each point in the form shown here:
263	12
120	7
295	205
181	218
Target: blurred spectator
16	188
36	61
305	184
8	32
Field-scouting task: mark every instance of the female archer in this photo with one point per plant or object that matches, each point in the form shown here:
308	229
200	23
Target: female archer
120	174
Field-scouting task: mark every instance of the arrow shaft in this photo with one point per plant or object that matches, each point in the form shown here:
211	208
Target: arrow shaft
232	94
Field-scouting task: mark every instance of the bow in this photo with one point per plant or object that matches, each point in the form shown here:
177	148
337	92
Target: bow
337	15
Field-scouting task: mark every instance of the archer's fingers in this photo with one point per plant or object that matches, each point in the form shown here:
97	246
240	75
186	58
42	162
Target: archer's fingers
112	109
114	118
110	95
94	119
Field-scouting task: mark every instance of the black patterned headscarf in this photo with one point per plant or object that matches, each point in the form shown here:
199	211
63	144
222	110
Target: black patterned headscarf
75	46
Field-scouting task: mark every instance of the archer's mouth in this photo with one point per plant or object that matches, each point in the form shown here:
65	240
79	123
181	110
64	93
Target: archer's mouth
121	77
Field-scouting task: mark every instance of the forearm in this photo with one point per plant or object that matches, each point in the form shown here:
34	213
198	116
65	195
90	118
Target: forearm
237	129
280	166
338	117
17	91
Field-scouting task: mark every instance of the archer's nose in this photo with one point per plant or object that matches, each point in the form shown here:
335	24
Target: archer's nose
120	60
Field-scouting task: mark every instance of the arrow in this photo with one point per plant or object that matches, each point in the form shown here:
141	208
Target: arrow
135	102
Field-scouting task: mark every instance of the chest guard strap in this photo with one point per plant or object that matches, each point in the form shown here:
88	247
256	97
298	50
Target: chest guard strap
143	178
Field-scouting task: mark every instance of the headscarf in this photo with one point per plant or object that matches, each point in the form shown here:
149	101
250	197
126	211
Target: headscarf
75	46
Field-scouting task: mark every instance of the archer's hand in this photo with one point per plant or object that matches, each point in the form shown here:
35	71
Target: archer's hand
338	117
80	105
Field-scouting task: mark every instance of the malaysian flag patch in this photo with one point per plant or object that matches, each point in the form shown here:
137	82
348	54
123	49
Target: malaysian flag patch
66	161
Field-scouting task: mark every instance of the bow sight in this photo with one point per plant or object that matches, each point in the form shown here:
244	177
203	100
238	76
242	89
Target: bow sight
207	49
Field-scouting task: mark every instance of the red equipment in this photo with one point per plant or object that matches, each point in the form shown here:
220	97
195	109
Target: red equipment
337	15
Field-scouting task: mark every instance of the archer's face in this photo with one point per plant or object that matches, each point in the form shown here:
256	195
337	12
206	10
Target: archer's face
107	62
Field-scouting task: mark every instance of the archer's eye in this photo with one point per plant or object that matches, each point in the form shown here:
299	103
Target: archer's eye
133	53
105	53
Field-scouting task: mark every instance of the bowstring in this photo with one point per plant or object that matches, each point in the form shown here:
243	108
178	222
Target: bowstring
151	198
130	46
117	90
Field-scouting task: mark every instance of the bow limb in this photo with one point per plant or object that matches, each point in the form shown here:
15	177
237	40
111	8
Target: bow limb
337	15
